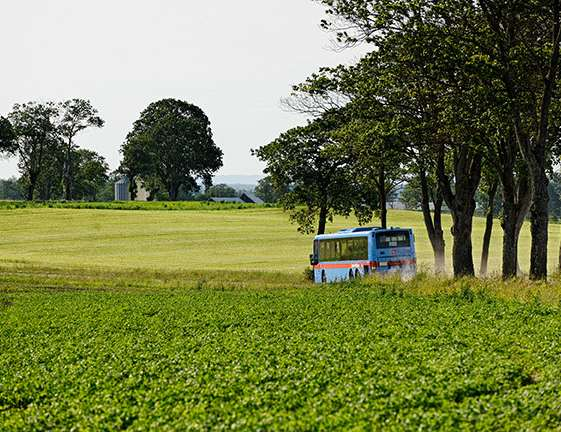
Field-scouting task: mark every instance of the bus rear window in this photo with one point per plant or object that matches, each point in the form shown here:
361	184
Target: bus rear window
394	239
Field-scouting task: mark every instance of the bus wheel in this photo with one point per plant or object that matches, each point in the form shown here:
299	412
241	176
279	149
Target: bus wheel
351	274
323	277
357	274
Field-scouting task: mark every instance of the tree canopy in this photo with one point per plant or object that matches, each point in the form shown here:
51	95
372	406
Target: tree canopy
171	146
311	165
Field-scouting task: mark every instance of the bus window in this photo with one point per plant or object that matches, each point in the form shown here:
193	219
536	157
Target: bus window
344	249
393	239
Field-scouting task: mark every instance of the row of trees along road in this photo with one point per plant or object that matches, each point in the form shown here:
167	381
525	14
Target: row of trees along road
42	136
454	94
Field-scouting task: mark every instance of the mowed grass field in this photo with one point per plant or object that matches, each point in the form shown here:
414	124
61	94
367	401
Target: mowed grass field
203	320
247	239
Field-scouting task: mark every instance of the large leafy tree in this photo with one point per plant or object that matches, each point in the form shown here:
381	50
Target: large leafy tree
36	139
171	143
76	115
318	175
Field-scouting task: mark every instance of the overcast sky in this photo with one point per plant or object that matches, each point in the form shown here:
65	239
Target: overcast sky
234	59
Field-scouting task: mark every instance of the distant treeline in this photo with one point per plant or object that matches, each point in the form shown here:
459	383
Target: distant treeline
14	189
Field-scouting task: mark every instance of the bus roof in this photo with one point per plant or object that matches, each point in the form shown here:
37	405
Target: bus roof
357	232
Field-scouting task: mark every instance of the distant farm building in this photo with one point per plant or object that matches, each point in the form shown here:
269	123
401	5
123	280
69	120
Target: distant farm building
246	197
122	190
225	200
251	198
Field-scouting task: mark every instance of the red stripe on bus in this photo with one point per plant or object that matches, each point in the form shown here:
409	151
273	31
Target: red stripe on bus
372	264
344	265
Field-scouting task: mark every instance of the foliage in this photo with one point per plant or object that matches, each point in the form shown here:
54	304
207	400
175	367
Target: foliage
43	139
266	190
171	146
311	164
221	191
7	137
36	140
10	189
76	115
489	78
411	194
89	173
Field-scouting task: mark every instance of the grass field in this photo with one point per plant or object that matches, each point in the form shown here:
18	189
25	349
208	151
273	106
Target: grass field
202	320
237	239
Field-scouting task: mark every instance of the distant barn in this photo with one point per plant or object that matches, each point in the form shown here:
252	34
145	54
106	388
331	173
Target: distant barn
251	198
245	197
225	200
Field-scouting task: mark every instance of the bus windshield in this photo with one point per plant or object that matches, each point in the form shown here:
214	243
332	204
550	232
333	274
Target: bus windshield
344	249
393	239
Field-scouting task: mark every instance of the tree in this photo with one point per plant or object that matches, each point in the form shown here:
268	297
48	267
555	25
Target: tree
172	143
267	191
318	175
222	191
523	45
36	138
89	174
76	115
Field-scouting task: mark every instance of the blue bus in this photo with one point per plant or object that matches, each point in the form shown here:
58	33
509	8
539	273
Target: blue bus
357	252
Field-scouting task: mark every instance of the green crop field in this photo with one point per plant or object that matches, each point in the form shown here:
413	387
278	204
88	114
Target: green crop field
203	320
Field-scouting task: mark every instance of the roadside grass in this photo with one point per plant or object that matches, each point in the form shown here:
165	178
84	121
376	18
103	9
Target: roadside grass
31	278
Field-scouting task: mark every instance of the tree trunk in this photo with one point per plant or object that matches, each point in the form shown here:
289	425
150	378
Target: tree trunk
559	257
66	172
488	230
173	191
539	226
510	240
462	250
433	224
439	247
461	201
30	191
517	196
383	197
322	220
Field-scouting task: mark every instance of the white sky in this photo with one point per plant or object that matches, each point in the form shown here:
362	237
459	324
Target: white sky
234	59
